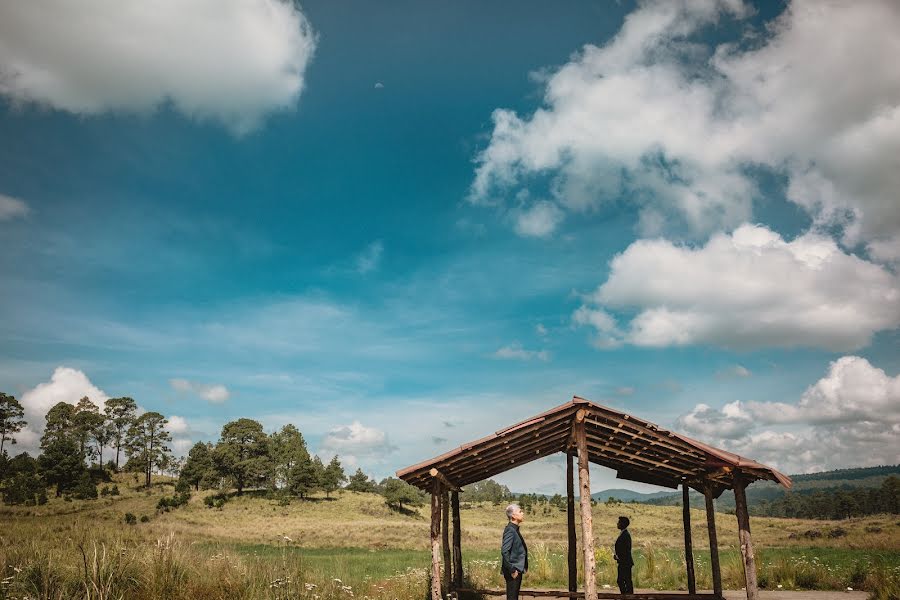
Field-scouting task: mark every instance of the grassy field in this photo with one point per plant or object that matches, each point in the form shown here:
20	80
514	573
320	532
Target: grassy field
353	546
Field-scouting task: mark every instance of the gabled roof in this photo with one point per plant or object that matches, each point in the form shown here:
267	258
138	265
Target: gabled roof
636	449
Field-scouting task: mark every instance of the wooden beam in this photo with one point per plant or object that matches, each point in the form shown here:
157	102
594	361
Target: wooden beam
445	537
523	593
446	483
570	517
713	542
457	541
743	519
435	540
501	462
587	521
688	542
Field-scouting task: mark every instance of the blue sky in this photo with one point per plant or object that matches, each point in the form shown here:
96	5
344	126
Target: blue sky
403	226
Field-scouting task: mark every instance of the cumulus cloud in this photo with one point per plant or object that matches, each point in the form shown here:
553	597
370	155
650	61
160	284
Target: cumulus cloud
515	351
356	442
852	391
182	435
212	393
12	208
732	421
849	417
232	61
65	385
673	124
749	289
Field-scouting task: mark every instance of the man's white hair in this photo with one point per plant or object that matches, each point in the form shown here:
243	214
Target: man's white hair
511	509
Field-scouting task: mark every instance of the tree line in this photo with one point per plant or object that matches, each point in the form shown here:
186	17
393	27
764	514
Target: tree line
77	437
834	503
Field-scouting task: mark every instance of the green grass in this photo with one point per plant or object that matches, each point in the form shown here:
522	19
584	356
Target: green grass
354	548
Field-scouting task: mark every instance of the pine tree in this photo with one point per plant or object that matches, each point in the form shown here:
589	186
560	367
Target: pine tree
333	476
360	482
11	421
146	442
121	413
199	468
243	453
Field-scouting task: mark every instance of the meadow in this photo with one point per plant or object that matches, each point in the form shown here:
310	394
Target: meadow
353	546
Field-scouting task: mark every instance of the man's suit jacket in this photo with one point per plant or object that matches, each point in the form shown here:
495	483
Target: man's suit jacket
623	548
513	551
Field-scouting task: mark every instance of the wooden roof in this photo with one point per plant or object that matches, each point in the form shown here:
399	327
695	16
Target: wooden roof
636	449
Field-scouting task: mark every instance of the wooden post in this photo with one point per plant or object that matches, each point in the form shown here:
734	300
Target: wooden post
435	540
587	521
445	537
713	542
688	542
457	541
743	518
570	510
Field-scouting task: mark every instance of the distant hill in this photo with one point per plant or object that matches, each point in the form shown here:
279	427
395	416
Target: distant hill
807	483
628	495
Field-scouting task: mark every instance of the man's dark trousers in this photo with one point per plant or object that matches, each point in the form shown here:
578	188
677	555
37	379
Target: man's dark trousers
626	586
513	586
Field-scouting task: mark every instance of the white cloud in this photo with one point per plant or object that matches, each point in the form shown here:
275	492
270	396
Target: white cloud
730	422
515	351
539	220
231	61
370	258
12	208
182	435
673	124
540	329
355	442
852	391
65	385
848	418
214	393
732	372
746	290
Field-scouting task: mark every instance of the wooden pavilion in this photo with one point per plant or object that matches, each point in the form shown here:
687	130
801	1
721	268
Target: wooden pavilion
636	449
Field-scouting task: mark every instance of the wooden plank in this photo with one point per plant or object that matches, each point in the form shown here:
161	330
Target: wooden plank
600	595
457	541
570	518
435	540
713	542
445	537
518	461
640	461
743	519
688	542
587	520
483	468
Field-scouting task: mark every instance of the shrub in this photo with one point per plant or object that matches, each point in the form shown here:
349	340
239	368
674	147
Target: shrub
114	491
216	500
130	519
85	489
145	519
837	532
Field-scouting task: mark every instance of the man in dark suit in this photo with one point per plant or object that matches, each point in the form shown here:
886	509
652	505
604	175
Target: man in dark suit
513	552
623	557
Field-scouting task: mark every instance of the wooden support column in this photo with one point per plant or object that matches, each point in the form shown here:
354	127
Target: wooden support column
743	518
435	540
713	542
445	537
587	521
688	542
570	513
457	541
